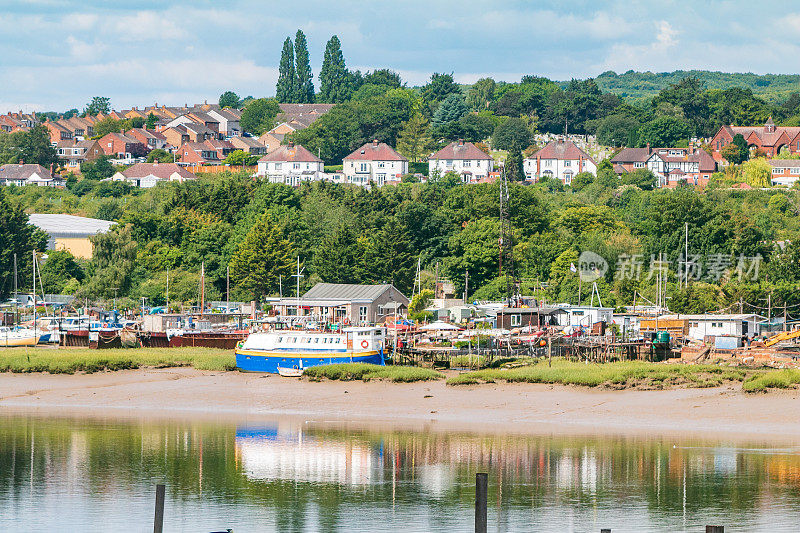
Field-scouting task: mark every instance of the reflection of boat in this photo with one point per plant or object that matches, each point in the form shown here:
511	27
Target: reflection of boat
18	337
269	454
267	352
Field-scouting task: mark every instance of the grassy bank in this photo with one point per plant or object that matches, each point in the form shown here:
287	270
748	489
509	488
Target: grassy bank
367	372
618	375
71	360
774	379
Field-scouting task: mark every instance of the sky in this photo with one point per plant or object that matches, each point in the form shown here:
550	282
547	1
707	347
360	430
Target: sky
57	54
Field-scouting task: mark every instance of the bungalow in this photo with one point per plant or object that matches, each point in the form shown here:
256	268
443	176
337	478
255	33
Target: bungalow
374	162
22	174
146	175
769	138
464	158
290	164
122	146
343	303
560	160
785	171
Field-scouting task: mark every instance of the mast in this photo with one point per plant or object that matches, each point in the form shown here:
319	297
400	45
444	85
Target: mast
227	290
167	289
16	293
34	293
202	288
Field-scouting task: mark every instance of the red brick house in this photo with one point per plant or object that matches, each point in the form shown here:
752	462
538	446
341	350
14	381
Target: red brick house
194	153
769	138
122	146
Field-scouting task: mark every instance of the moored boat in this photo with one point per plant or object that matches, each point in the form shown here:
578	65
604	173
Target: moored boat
18	336
289	349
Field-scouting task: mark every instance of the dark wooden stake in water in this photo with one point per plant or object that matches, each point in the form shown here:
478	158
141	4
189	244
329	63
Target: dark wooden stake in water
715	529
481	492
605	531
158	523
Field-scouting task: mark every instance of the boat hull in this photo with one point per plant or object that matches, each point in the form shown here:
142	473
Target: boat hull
9	342
253	361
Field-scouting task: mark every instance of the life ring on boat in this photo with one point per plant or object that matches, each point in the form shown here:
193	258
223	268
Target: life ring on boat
364	344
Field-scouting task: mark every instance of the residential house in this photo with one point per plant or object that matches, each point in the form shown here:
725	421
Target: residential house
670	165
785	171
560	159
771	139
290	164
71	154
30	174
199	153
375	162
151	139
250	145
343	303
81	128
229	119
184	133
122	146
146	175
272	140
222	147
58	132
300	116
464	158
196	118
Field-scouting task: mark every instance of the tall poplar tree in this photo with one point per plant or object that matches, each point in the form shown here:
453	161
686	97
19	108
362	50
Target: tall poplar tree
304	87
334	81
285	89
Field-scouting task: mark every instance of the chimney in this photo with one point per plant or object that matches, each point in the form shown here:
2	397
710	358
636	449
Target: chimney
648	148
375	143
21	162
461	142
290	144
205	102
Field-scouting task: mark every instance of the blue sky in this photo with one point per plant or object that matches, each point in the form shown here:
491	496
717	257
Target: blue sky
56	54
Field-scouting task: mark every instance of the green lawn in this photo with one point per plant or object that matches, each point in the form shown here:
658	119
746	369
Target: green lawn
71	360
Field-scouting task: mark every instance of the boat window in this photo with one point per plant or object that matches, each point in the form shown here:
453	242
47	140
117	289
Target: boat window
316	340
338	341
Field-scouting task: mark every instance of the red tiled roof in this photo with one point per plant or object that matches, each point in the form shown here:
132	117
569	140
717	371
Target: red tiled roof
632	155
461	150
563	151
19	172
160	170
291	152
376	151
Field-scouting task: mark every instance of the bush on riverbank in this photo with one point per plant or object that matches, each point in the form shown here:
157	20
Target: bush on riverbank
71	360
619	374
367	372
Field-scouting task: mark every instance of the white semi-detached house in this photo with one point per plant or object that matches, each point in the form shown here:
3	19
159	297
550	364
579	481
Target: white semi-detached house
561	160
376	162
463	158
290	164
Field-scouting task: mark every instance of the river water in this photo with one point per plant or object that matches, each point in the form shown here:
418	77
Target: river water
59	474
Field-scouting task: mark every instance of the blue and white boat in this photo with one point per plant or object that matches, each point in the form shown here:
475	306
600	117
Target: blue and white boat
288	349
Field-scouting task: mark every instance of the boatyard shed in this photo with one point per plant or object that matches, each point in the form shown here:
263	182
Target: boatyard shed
707	327
537	317
346	303
69	232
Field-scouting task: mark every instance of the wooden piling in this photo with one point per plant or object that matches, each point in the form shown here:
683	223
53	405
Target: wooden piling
715	529
158	522
605	531
481	494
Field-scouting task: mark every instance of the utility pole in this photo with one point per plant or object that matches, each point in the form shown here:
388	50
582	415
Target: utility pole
769	309
686	258
202	288
466	285
167	289
227	290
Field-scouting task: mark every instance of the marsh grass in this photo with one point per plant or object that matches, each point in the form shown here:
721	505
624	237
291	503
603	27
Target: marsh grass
367	372
774	379
71	360
617	375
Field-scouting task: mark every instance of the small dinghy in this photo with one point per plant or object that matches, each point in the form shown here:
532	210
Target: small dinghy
290	372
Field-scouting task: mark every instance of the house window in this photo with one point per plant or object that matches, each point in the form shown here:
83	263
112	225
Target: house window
638	164
777	170
297	166
362	313
516	320
467	164
381	164
363	167
794	171
567	163
278	166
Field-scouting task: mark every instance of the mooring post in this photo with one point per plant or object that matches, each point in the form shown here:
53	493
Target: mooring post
715	529
481	492
158	522
605	531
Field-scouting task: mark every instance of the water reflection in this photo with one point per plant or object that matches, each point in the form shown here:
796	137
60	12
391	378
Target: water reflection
68	475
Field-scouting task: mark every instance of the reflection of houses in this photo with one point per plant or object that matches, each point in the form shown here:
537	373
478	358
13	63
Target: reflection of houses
561	160
670	165
464	158
769	138
270	454
335	302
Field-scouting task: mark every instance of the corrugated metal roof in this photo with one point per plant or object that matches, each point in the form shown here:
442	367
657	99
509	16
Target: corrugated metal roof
69	224
341	291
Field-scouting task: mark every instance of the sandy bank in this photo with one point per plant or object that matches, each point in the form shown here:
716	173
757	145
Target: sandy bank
514	408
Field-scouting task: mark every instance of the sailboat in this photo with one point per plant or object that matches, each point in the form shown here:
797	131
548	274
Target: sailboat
20	336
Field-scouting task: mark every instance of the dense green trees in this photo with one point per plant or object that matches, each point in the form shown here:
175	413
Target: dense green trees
261	258
304	87
32	146
229	99
20	238
512	132
98	104
259	115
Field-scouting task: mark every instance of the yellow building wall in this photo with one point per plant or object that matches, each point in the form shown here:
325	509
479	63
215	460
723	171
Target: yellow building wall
79	247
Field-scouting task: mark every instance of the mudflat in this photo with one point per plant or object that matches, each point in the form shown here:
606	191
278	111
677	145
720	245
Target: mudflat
521	408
